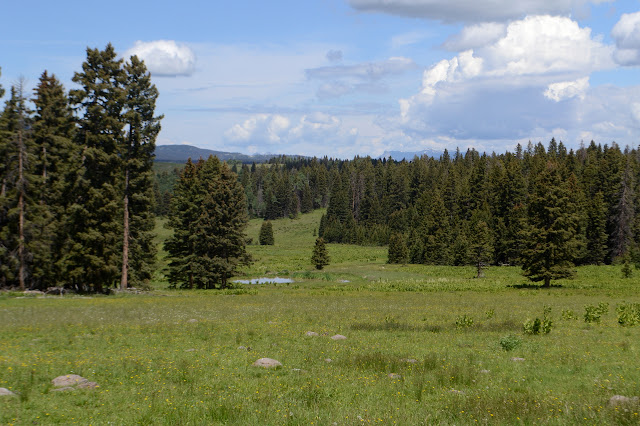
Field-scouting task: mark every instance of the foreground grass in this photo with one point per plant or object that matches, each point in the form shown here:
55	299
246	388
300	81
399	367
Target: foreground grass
173	357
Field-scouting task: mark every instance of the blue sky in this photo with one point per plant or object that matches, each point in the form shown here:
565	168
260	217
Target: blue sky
356	77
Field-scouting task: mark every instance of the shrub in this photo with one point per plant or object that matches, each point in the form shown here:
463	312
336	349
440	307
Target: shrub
539	326
510	342
463	321
628	314
593	313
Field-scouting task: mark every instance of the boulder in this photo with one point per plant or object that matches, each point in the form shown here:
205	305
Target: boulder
618	400
338	337
6	392
311	333
267	363
68	380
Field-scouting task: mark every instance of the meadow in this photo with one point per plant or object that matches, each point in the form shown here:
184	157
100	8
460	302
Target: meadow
424	345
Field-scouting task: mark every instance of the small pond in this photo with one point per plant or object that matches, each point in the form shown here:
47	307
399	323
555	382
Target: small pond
276	280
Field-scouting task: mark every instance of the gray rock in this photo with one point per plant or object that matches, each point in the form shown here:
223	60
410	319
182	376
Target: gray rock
64	389
192	321
6	392
338	337
267	363
618	400
394	376
328	360
517	359
311	333
68	380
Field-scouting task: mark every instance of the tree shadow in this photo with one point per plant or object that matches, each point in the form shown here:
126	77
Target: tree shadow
531	286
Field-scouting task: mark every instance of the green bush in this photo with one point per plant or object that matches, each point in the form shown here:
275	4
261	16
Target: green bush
510	342
628	314
463	321
593	313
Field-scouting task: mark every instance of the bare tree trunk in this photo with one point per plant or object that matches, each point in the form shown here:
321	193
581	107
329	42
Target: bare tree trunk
21	188
125	238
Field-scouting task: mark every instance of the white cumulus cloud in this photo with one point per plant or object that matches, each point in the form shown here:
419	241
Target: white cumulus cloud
626	33
568	89
165	57
510	87
475	36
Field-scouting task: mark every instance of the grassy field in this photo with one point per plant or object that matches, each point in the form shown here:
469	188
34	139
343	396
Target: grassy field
425	345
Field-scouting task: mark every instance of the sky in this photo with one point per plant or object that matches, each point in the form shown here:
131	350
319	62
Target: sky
355	77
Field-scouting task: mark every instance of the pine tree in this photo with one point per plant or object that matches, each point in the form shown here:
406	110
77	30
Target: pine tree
481	246
95	258
55	155
320	256
138	250
398	252
208	215
266	233
15	194
550	234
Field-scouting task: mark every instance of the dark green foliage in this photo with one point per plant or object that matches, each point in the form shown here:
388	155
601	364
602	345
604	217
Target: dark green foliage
481	246
550	235
266	234
398	252
208	216
320	256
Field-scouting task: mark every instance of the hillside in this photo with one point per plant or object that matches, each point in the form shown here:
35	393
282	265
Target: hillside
181	153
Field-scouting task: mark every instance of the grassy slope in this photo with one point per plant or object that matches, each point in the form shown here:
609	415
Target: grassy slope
156	367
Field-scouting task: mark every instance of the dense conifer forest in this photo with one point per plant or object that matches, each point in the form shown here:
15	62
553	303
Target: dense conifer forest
467	208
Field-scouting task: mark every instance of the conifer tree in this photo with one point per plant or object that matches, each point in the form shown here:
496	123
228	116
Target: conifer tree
320	256
481	246
15	197
266	233
208	215
138	251
398	252
550	234
55	155
94	261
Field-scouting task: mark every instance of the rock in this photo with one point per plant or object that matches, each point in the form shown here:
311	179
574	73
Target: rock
68	380
394	376
484	371
88	385
36	292
267	363
409	360
517	359
242	348
6	392
311	333
338	337
192	321
190	350
328	360
64	389
617	400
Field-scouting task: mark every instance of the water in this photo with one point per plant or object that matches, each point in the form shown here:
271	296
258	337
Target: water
276	280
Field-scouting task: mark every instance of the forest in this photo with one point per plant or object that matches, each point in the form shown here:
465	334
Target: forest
79	196
436	211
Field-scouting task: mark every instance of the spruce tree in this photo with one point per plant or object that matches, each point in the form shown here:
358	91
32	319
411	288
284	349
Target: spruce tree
266	233
55	158
549	237
320	256
208	215
481	246
138	250
398	252
95	258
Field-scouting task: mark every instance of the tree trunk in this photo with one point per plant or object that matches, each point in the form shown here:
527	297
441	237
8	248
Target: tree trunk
125	237
21	187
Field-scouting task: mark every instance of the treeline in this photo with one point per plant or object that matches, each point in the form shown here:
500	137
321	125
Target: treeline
434	207
77	186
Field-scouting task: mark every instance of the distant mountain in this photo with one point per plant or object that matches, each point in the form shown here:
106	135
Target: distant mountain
408	155
181	153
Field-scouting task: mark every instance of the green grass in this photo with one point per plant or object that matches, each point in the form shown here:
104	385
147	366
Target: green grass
155	366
